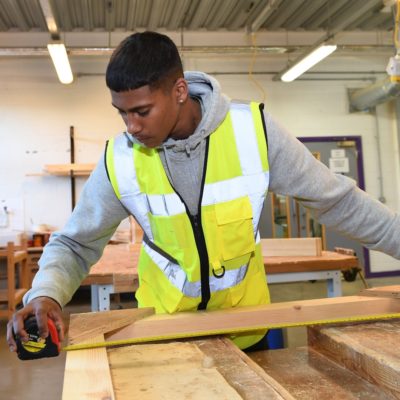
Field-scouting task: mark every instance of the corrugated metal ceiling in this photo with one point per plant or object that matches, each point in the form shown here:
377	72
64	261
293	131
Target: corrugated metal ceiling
208	15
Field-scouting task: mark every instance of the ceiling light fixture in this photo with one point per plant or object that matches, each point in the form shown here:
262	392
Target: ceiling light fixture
58	54
308	61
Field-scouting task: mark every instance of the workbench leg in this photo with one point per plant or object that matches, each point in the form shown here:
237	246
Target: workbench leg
94	295
334	284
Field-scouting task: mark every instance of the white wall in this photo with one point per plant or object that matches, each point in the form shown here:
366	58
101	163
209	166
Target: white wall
36	113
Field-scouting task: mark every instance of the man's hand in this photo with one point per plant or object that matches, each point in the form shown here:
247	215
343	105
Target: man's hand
42	308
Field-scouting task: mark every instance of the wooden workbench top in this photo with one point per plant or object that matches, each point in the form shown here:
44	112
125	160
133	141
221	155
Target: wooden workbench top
121	260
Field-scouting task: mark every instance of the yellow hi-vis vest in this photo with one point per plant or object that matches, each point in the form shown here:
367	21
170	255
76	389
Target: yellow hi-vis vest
212	260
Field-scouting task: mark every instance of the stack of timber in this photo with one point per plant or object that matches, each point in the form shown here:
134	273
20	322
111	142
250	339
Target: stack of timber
353	361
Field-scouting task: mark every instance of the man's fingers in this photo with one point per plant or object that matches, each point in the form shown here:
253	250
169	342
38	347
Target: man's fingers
10	337
59	323
41	319
18	324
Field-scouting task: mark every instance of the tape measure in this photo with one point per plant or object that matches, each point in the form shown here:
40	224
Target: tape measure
218	332
37	347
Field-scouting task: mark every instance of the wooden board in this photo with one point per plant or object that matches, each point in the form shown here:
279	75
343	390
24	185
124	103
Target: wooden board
88	375
291	247
248	379
308	375
87	325
328	261
166	371
384	291
188	324
370	350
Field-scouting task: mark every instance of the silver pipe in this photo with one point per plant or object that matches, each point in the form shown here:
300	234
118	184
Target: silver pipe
367	98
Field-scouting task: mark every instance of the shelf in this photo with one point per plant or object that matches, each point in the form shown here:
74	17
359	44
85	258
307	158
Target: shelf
66	169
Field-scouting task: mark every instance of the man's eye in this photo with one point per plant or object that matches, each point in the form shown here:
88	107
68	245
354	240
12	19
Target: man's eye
143	113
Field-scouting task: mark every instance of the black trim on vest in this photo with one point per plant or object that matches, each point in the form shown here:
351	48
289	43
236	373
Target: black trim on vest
105	160
157	249
201	241
261	107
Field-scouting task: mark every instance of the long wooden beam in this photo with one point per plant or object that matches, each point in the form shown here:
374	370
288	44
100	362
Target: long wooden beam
300	313
206	323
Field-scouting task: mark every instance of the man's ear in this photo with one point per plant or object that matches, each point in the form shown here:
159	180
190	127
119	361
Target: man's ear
181	90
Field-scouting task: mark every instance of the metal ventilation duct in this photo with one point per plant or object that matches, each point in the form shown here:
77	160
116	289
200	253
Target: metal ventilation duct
369	97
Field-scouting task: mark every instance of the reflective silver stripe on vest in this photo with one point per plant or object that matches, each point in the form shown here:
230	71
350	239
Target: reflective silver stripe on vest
167	204
246	138
255	180
177	277
131	197
254	186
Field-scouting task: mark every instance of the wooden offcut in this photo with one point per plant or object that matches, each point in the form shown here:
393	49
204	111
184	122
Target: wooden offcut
88	325
291	247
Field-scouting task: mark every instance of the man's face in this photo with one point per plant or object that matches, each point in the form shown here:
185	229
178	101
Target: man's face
150	115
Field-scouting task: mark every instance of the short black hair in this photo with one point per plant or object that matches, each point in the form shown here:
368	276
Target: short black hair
146	58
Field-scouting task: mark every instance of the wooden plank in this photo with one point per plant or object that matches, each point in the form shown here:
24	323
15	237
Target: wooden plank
384	291
308	375
87	325
171	371
87	375
252	318
328	261
239	370
370	350
291	247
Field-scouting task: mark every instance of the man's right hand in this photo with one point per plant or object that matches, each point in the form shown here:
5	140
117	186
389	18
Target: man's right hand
42	308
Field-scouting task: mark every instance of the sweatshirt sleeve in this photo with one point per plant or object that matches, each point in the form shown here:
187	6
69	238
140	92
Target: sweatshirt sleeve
70	253
334	199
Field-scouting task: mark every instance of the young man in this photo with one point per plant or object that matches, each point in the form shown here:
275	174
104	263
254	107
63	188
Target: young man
193	168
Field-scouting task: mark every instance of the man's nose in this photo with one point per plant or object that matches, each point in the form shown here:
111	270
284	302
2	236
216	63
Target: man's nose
132	125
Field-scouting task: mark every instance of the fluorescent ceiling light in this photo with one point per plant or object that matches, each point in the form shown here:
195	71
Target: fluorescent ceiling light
308	61
58	54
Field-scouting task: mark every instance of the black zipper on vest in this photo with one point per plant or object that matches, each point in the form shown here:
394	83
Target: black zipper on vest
204	263
200	239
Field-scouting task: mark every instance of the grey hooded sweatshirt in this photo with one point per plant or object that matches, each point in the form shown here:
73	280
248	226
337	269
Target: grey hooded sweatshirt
334	199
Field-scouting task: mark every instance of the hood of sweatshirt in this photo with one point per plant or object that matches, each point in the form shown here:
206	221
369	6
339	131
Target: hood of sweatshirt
214	106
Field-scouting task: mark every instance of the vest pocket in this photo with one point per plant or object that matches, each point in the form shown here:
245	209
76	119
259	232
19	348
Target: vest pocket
169	231
235	228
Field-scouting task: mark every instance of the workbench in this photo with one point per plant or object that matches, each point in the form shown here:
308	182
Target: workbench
341	362
116	272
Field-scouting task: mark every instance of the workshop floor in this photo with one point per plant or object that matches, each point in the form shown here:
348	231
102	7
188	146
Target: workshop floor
43	379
